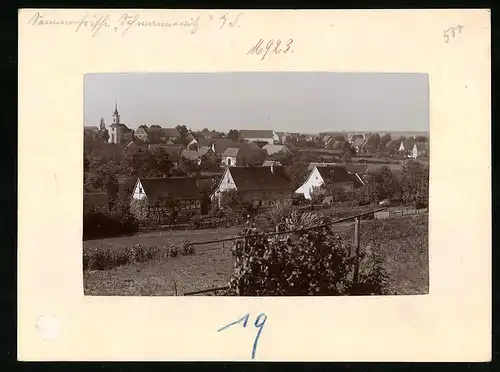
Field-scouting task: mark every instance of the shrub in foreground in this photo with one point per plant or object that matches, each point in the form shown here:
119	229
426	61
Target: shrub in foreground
105	257
308	262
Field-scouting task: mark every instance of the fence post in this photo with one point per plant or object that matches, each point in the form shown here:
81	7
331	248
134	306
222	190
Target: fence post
356	250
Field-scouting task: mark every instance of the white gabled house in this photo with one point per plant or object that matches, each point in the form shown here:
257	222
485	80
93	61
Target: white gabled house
335	174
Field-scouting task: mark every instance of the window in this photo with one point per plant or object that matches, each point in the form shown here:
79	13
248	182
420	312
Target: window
229	163
140	190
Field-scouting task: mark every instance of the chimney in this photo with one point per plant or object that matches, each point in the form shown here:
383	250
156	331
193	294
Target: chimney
213	147
272	167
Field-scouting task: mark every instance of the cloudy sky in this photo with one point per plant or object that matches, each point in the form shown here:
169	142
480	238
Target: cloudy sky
284	101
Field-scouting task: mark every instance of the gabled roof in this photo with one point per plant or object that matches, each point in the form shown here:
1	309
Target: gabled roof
268	163
171	132
256	133
350	167
203	150
220	144
273	149
260	178
336	174
123	126
190	154
231	151
180	187
173	151
422	146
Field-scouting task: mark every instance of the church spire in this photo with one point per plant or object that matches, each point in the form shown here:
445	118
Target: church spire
116	116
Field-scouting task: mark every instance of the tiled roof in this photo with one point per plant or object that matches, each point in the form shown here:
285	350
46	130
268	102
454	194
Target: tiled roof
190	154
334	174
203	150
173	151
220	144
180	187
231	151
123	126
126	185
350	167
171	132
256	133
268	163
422	146
273	149
260	178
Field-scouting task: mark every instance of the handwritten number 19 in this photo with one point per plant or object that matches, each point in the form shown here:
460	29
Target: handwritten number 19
259	323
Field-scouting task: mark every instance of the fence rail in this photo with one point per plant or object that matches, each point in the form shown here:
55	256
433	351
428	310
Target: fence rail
355	257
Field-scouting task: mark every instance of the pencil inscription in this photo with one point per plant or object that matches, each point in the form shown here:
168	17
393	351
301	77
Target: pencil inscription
452	32
124	23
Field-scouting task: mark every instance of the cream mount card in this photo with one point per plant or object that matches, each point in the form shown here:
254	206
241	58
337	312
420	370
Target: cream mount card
60	51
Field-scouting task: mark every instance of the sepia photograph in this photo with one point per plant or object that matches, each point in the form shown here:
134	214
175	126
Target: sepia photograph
256	184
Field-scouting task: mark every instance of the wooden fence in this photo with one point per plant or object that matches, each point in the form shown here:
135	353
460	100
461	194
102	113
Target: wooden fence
355	256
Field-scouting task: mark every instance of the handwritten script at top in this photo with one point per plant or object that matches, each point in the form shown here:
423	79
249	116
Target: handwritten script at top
124	23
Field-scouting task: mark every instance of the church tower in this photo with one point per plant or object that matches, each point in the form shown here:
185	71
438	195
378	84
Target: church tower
116	115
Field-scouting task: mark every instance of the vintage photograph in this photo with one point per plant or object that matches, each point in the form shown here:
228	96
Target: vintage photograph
256	184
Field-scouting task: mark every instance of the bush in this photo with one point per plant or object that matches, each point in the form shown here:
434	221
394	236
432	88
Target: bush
187	249
106	257
100	223
307	262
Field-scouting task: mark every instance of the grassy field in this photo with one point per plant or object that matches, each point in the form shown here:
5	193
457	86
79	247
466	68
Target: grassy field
403	242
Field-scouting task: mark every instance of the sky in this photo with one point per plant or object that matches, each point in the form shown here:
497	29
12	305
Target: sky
307	102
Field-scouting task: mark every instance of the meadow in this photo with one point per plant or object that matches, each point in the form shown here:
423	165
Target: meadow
401	241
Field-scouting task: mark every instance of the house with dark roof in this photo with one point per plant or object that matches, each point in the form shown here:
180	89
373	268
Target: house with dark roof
257	135
260	186
333	174
173	151
90	129
275	149
358	168
184	190
219	145
419	149
269	163
245	153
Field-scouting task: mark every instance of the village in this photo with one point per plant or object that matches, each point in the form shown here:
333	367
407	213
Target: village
176	179
264	166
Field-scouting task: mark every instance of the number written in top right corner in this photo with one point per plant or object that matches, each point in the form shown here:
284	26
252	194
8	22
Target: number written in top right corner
452	32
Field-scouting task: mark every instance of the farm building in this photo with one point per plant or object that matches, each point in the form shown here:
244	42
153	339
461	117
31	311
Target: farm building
261	186
256	135
184	190
336	174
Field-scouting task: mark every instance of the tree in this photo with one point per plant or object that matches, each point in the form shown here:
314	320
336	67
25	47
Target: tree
384	182
371	145
166	205
384	140
188	166
234	134
415	184
346	158
112	188
298	172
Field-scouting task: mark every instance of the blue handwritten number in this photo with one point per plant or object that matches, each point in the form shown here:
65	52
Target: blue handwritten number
259	323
